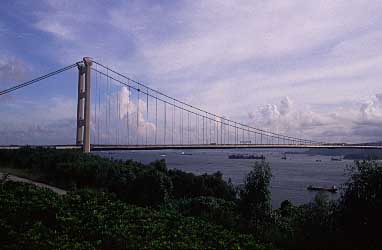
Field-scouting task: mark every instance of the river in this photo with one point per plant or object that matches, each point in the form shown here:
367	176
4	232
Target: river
290	177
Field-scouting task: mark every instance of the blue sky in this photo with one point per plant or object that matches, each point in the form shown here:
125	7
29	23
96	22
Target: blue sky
305	68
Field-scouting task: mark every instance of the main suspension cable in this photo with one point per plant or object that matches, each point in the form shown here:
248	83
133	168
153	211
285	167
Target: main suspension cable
22	85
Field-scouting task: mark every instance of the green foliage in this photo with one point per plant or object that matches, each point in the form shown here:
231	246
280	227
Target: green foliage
150	187
353	222
361	205
183	211
217	211
190	185
315	223
35	218
145	185
255	198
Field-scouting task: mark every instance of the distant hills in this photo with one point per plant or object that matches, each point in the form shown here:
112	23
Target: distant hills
352	154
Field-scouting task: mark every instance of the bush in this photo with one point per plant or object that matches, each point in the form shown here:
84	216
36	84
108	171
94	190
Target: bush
190	185
255	198
149	188
213	210
361	205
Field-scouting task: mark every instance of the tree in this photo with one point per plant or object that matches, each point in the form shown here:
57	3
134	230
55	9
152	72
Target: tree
255	198
361	205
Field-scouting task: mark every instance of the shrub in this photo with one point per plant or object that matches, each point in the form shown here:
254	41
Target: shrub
255	200
149	188
214	210
190	185
361	204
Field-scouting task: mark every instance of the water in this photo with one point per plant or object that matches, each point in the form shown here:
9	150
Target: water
290	179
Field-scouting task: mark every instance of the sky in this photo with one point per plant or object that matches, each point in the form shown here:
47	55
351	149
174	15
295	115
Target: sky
310	69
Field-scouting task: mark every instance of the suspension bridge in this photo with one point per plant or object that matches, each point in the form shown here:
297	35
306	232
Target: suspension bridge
115	112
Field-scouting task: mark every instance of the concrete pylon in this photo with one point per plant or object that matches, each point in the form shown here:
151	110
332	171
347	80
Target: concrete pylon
83	104
80	103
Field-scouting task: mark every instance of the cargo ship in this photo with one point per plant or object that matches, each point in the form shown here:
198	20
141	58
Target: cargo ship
332	189
246	156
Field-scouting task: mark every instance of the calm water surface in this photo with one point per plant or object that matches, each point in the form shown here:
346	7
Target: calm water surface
290	178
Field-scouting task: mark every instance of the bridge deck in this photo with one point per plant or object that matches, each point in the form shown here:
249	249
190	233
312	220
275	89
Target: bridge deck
201	146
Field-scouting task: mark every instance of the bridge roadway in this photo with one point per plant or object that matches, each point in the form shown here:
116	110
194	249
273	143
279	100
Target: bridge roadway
202	146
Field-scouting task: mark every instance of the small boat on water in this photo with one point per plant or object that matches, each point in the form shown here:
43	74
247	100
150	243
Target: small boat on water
336	159
318	160
183	153
246	156
332	189
284	157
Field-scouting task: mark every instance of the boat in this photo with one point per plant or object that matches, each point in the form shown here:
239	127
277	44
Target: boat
318	160
163	155
246	156
284	157
183	153
336	159
332	189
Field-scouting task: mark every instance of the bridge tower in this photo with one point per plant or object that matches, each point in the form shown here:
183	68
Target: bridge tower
83	104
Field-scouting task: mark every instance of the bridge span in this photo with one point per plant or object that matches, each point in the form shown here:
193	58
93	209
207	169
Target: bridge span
127	115
201	146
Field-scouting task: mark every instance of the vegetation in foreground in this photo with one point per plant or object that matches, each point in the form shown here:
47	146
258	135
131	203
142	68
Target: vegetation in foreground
36	218
127	205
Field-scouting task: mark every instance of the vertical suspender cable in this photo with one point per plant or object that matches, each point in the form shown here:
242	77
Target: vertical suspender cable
108	107
203	130
104	107
127	114
138	117
99	107
242	135
197	128
165	127
118	114
229	125
211	130
173	124
188	125
181	136
221	131
180	126
147	111
95	109
217	130
156	118
235	133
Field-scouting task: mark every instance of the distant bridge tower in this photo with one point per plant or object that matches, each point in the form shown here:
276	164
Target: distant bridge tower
83	104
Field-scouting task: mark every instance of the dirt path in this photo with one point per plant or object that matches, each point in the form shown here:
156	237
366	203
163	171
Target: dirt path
38	184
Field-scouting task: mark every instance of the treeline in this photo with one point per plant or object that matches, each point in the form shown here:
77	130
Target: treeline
144	185
352	222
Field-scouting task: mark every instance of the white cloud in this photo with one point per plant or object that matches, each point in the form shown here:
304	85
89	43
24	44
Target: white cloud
215	33
341	124
56	28
12	69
